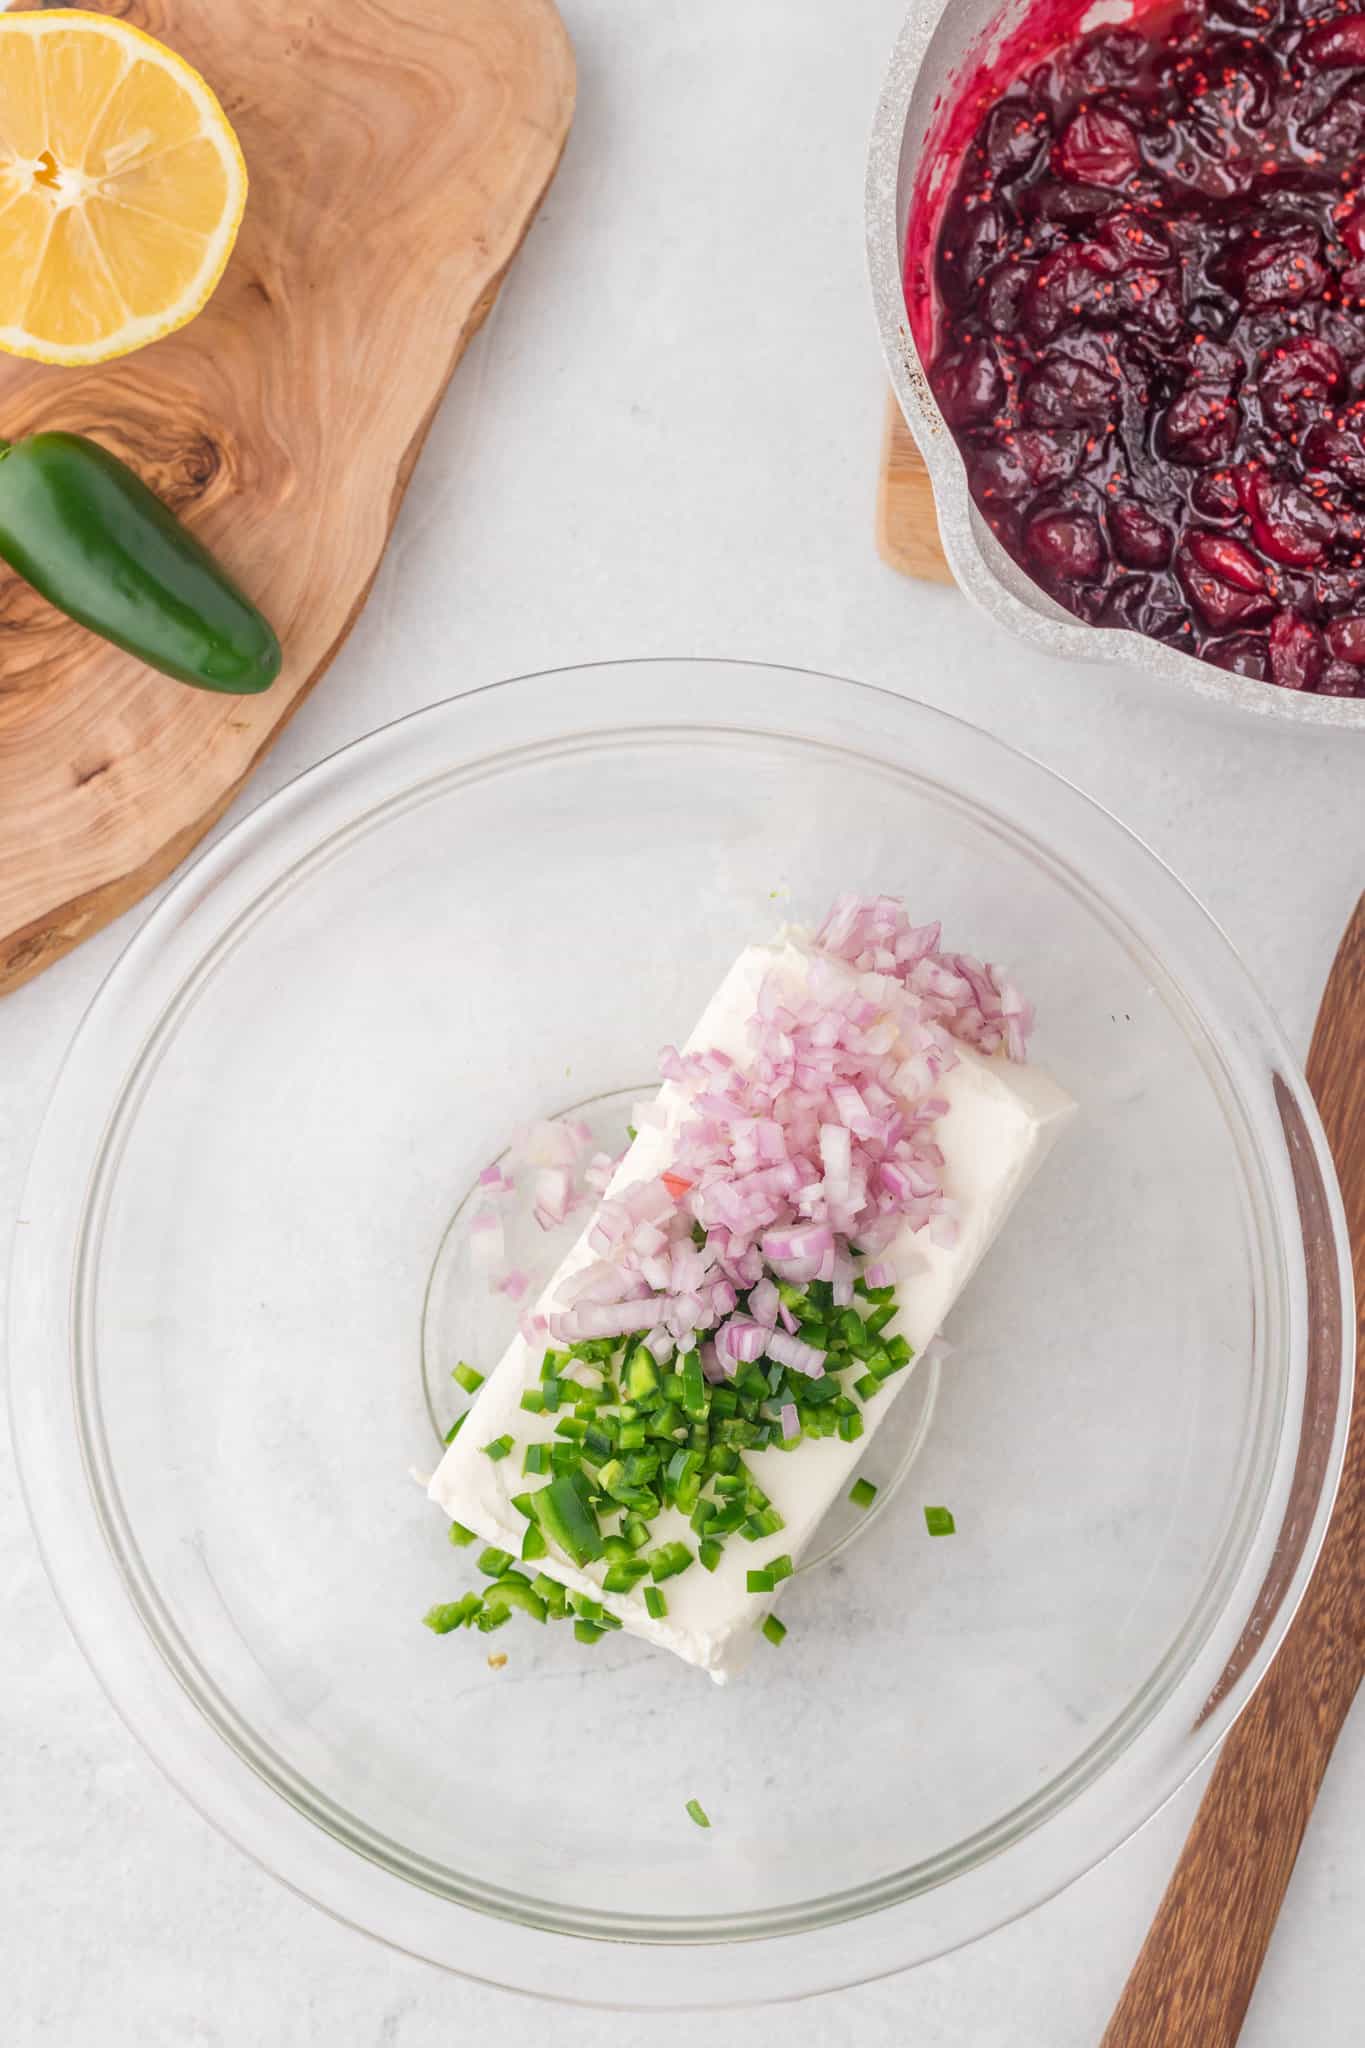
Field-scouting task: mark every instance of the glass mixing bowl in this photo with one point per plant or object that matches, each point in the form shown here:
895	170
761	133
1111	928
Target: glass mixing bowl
244	1205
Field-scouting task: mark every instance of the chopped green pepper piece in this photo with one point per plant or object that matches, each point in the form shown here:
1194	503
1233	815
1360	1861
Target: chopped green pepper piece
698	1813
494	1562
773	1629
939	1522
862	1493
568	1521
460	1536
499	1448
655	1604
514	1591
466	1377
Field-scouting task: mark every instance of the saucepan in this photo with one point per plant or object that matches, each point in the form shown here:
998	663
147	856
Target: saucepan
912	160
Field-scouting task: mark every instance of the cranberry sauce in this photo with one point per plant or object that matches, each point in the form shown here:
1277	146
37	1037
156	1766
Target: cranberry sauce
1151	275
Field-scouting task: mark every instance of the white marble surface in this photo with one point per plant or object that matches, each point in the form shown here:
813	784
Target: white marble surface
665	442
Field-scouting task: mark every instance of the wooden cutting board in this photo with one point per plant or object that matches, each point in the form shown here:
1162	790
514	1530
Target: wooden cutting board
397	151
907	525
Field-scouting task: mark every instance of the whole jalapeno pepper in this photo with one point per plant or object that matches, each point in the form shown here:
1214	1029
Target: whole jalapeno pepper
77	524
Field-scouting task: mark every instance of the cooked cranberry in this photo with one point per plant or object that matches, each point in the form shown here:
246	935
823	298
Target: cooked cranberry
1002	294
1246	654
1028	462
1223	580
1286	523
1098	148
1134	240
1279	269
1107	60
1016	136
976	234
1210	362
1252	14
1339	679
969	386
1297	373
1214	495
1337	45
998	476
1067	393
1067	545
1346	639
1201	426
1340	452
1352	231
1139	537
1067	287
1296	653
1339	130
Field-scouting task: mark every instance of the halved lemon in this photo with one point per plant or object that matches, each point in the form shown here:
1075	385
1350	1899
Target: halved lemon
121	188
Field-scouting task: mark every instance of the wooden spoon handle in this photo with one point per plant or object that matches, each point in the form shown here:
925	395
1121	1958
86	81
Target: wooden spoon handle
1194	1977
1193	1980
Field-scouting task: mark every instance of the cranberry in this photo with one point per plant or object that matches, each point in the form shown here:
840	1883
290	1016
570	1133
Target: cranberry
1134	239
1108	60
998	475
1002	296
1098	148
1337	45
1067	545
1339	130
1296	653
1067	393
1223	580
1294	373
969	386
1139	537
1339	679
1201	425
1016	137
1280	269
976	236
1352	231
1346	639
1068	286
1286	523
1214	495
1210	362
1246	654
1341	452
1252	14
1029	462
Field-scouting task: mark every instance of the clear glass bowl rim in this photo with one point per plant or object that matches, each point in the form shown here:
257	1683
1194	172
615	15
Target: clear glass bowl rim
1097	1805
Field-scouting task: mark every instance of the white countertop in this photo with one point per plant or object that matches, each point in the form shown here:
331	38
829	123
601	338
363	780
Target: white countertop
665	442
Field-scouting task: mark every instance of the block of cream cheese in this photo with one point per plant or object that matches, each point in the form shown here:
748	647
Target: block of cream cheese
1002	1120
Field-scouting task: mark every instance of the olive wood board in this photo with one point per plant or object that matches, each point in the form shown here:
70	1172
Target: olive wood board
397	152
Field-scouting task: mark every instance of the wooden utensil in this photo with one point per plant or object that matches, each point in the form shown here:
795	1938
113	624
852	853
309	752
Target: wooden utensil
397	156
1192	1982
907	524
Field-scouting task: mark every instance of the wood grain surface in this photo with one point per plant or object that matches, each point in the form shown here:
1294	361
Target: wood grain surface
907	524
397	151
1193	1980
